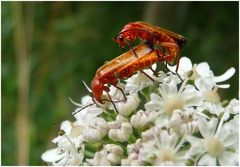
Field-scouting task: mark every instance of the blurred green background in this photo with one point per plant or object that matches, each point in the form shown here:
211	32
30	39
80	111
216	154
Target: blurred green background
49	48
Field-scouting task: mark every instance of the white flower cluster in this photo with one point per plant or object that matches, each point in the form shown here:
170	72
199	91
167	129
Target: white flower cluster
170	122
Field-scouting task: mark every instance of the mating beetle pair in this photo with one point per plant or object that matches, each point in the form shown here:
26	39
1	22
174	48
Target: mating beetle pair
137	58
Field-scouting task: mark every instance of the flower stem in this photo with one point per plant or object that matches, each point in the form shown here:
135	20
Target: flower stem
88	154
132	139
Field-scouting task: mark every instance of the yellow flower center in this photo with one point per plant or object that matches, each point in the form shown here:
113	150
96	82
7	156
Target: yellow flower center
166	155
214	146
172	104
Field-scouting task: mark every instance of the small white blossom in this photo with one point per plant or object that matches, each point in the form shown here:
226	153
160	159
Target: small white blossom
139	81
120	130
110	155
220	145
163	149
99	159
133	158
148	135
93	127
233	125
215	109
208	90
233	107
95	130
184	122
115	153
201	70
126	108
142	118
52	157
70	148
171	98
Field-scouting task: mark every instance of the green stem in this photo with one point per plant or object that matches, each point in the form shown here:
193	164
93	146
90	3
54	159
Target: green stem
91	146
137	132
132	139
88	154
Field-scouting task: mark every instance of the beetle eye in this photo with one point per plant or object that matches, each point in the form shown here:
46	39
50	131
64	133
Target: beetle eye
120	38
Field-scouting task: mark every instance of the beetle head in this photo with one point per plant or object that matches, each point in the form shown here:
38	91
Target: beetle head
120	40
97	89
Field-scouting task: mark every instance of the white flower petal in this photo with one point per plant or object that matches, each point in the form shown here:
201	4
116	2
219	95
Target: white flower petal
155	102
207	160
191	96
207	128
196	146
57	139
204	84
168	89
231	140
228	159
185	65
87	114
223	86
203	70
228	74
232	126
66	126
51	156
138	82
86	100
233	106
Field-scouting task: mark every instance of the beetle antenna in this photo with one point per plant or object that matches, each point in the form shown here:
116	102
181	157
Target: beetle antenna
80	105
74	113
78	110
89	90
116	111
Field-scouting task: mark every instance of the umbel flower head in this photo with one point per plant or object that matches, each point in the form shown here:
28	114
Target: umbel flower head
166	122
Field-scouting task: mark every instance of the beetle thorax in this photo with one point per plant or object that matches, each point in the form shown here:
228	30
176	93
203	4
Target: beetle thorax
97	89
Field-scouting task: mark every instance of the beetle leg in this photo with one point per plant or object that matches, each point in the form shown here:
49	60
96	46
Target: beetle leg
174	72
166	58
116	111
133	50
147	75
174	51
154	72
135	54
131	47
125	98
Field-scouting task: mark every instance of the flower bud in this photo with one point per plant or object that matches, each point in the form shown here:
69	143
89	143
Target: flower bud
132	103
120	130
96	130
114	153
143	118
148	135
99	159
